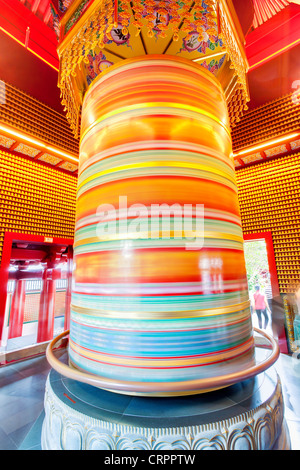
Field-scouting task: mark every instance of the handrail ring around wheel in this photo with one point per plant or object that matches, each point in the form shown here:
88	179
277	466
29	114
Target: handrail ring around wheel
143	388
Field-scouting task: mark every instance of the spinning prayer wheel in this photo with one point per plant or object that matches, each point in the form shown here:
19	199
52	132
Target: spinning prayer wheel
160	302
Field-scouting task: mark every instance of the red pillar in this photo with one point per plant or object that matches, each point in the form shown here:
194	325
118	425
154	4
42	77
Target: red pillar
42	309
4	271
17	310
51	292
47	305
69	289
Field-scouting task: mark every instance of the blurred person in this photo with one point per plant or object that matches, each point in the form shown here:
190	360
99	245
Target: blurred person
261	306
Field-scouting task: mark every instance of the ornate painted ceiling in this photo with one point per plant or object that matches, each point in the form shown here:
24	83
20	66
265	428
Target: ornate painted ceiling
272	41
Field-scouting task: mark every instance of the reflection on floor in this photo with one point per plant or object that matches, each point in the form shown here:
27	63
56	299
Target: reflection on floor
22	388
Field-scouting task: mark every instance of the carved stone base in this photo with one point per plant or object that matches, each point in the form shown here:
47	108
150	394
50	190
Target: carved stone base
248	415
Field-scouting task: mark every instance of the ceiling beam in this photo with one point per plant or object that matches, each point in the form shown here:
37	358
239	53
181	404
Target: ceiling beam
47	15
35	6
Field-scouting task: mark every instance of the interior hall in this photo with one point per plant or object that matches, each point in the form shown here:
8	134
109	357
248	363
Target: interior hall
53	60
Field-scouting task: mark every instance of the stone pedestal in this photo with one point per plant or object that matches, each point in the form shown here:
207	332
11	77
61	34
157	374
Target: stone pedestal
245	416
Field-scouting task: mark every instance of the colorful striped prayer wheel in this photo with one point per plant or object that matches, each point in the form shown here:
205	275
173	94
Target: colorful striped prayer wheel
160	294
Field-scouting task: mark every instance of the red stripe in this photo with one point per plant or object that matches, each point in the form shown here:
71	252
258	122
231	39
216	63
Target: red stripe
151	177
162	294
164	248
69	398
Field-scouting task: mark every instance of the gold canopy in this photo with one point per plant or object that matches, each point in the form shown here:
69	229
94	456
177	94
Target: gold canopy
97	34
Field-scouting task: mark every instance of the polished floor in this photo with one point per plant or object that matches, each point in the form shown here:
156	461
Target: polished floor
22	387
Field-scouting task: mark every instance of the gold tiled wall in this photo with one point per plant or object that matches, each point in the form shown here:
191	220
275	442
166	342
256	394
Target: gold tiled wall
269	195
26	114
35	199
274	119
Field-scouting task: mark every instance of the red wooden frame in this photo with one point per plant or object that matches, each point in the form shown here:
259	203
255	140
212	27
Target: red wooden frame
15	19
9	238
278	35
267	236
